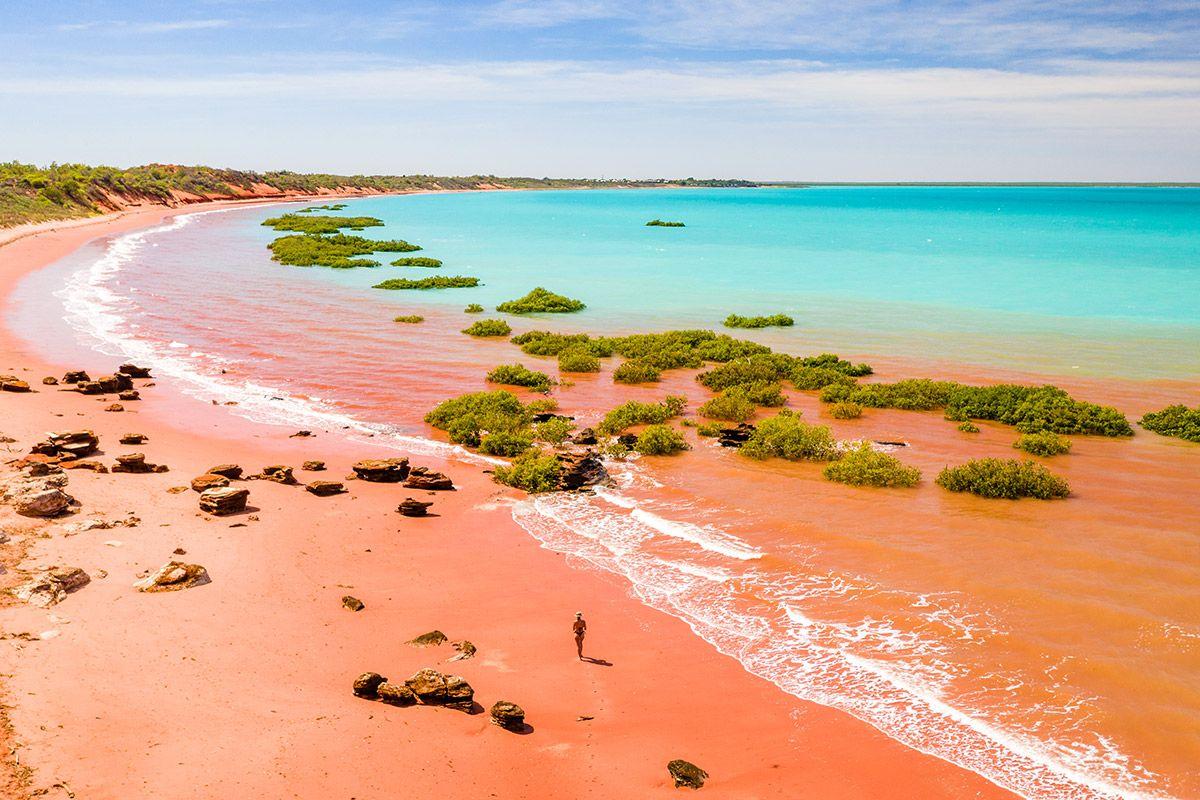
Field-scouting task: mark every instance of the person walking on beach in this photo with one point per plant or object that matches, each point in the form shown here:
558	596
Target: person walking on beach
580	628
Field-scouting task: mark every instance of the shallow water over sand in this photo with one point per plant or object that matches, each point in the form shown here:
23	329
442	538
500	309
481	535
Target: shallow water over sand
1053	647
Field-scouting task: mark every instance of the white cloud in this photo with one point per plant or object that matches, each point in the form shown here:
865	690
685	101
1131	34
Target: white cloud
125	26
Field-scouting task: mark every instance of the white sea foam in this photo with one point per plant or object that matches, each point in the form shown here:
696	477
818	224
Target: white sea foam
901	689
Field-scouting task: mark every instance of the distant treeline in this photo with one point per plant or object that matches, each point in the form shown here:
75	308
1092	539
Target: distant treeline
60	191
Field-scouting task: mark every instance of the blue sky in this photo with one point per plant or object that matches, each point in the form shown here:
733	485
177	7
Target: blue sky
851	90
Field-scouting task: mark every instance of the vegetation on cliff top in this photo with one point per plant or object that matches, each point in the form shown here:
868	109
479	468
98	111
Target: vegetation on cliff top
1178	421
337	251
1006	479
541	300
436	282
774	320
29	193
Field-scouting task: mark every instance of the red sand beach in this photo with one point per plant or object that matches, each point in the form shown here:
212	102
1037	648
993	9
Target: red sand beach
241	688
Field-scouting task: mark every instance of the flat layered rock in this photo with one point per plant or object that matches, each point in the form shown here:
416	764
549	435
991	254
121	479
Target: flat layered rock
507	715
51	586
577	470
134	371
459	694
49	381
352	603
105	384
231	471
325	488
76	376
45	502
132	394
279	473
428	685
136	463
396	694
226	500
313	466
134	438
173	576
413	508
736	436
382	470
427	479
202	483
115	407
431	639
94	466
11	383
68	444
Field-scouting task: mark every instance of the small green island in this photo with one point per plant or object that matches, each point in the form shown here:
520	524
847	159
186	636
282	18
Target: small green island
311	209
436	282
409	318
772	321
662	223
320	224
417	261
337	251
541	301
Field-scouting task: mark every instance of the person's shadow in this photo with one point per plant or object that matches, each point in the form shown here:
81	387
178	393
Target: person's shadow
598	661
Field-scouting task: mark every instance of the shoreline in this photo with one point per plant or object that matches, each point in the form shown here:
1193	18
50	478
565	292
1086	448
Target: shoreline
767	742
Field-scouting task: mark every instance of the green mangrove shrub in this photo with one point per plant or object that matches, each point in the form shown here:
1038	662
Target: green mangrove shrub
863	466
336	251
1178	421
845	411
411	318
636	371
546	343
435	282
1007	479
772	321
813	378
578	360
968	427
467	418
786	435
473	308
662	223
519	375
1043	443
709	429
554	430
318	224
633	413
541	300
660	440
727	406
506	444
531	471
417	261
488	327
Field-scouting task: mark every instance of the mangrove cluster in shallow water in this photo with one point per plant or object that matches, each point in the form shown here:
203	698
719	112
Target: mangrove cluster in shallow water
320	223
337	251
1178	421
417	261
436	282
519	375
541	300
488	327
662	223
1006	479
772	321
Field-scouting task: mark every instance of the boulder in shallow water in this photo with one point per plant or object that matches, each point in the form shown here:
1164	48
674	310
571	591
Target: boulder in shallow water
396	694
367	684
202	483
427	479
577	470
735	436
413	508
222	501
686	774
509	716
587	436
173	576
382	470
325	488
51	586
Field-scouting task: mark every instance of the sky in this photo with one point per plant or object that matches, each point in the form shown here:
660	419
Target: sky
1004	90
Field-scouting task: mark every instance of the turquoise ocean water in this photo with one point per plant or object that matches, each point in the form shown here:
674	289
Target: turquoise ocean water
1101	281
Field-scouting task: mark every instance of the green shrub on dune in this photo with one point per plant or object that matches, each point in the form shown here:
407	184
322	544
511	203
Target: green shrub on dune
660	440
1043	443
632	413
774	320
1006	479
532	471
541	300
786	435
1178	421
488	327
417	261
636	371
473	308
578	360
519	375
864	466
318	224
436	282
